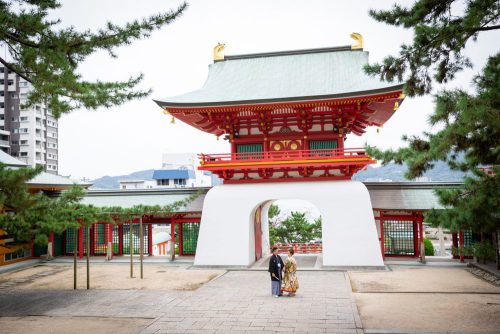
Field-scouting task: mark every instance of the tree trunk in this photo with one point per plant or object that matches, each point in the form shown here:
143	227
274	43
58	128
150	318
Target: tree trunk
88	257
482	246
131	249
141	246
75	249
495	240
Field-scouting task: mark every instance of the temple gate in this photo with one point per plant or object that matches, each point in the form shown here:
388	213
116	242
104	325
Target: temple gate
286	116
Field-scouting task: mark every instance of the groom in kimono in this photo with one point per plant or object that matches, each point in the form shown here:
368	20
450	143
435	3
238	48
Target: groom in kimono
275	269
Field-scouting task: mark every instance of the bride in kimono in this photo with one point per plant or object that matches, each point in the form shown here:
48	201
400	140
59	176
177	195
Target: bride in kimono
291	283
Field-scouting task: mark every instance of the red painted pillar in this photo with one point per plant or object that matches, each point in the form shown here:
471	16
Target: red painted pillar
150	239
51	240
172	237
80	242
120	239
181	252
416	238
461	240
421	239
382	238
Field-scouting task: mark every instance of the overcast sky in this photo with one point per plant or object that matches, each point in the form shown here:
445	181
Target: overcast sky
175	60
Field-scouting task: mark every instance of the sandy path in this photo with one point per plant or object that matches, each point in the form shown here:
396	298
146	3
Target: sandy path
426	299
116	276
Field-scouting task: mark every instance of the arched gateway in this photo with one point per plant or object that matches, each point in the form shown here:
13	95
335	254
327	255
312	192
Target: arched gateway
286	116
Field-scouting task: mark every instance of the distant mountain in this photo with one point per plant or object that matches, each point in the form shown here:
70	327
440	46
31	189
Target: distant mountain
440	173
113	182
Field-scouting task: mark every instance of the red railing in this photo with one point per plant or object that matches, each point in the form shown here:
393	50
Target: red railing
320	154
300	248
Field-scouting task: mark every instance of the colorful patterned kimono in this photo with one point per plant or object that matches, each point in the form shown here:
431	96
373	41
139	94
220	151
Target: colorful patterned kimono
291	283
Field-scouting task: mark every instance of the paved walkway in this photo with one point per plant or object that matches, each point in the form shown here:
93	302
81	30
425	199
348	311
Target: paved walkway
237	302
240	302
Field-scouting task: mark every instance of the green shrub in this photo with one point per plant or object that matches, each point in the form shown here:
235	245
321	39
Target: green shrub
484	251
429	249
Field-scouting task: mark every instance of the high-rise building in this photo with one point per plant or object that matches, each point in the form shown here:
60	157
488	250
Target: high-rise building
29	134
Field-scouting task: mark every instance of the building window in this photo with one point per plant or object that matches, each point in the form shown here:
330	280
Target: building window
180	182
162	182
24	142
249	151
23	154
18	254
23	130
15	142
24	118
2	105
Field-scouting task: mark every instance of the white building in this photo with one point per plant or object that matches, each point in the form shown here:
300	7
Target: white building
137	184
28	134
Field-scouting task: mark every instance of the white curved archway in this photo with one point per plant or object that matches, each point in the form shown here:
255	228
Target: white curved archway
349	233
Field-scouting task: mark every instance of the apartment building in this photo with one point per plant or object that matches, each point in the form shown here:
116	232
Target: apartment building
28	134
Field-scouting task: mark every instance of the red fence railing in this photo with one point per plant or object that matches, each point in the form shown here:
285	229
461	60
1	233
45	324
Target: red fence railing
300	248
283	155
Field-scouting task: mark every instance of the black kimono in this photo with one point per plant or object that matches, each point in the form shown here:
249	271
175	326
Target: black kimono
274	268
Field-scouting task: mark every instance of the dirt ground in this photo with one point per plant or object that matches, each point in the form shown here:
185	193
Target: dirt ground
113	276
426	299
94	325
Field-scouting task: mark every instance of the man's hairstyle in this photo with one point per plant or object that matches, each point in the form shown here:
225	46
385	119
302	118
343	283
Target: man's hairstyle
291	250
274	248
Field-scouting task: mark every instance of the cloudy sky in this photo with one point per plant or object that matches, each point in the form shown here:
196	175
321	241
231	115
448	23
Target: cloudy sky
175	60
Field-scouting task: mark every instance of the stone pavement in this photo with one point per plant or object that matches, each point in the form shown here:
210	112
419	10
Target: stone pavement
241	302
236	302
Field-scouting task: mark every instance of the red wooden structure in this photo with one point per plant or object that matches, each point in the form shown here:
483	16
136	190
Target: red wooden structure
287	114
104	233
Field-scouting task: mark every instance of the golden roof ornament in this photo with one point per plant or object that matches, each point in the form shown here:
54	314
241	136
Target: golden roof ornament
218	51
358	39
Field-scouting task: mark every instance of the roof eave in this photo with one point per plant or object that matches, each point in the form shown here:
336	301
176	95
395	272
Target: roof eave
389	89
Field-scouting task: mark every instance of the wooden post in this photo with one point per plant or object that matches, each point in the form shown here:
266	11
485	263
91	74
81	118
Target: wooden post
131	249
461	246
88	257
150	239
382	237
80	242
422	248
141	245
172	240
75	249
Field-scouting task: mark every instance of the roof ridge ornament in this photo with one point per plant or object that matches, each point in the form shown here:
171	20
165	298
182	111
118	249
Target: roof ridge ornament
359	41
218	51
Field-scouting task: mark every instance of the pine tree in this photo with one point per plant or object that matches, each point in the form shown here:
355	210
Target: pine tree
470	137
48	56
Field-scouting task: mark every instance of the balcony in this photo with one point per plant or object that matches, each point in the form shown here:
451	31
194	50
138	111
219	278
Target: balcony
278	166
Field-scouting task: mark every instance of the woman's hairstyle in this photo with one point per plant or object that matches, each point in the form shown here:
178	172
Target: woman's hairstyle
291	250
274	248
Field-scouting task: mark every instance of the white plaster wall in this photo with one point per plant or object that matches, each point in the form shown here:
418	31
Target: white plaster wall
349	234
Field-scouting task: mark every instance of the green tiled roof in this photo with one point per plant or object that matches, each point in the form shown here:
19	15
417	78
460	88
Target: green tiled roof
285	76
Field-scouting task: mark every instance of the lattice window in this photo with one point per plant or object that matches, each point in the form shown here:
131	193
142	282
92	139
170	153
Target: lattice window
249	151
135	238
116	239
399	237
322	147
100	245
190	233
70	240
